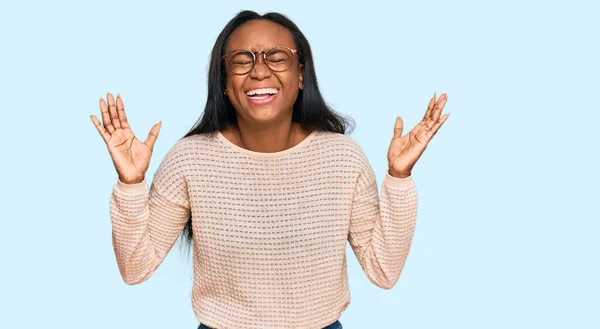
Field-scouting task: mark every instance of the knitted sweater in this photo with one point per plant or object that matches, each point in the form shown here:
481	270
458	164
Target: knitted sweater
269	229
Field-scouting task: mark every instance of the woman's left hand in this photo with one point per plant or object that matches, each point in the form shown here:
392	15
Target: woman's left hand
406	150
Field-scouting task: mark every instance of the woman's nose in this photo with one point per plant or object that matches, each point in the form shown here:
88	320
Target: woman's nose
260	69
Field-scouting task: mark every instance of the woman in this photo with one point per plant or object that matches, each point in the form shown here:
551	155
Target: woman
270	186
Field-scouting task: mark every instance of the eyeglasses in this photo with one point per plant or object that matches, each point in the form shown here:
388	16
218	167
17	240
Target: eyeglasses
277	59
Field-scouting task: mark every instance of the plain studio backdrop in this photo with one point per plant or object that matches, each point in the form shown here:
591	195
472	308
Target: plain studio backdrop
508	220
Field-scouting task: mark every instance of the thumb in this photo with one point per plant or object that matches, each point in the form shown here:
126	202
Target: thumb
398	126
153	135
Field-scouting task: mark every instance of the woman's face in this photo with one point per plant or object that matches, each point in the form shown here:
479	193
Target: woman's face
260	35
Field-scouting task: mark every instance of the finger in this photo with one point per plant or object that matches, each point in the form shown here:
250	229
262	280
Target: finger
398	126
422	125
437	111
437	126
432	102
435	116
153	135
105	135
121	112
106	117
112	109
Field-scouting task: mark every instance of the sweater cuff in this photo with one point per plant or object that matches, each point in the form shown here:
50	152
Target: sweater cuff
132	188
396	181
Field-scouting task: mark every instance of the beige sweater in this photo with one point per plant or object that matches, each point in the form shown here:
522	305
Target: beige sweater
270	229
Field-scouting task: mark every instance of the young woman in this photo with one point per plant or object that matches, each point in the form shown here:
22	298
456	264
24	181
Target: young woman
267	188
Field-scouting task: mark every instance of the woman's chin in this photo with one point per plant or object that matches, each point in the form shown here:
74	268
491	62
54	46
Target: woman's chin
263	113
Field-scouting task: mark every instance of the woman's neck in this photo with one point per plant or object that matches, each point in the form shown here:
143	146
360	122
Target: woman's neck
274	140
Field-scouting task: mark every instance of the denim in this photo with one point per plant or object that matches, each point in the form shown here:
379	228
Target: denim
336	325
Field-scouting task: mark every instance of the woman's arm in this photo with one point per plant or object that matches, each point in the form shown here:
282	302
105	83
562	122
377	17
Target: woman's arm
381	230
146	222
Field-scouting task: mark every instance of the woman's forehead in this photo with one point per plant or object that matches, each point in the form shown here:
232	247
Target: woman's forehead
258	35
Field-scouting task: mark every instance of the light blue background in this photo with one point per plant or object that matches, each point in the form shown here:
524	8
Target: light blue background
507	231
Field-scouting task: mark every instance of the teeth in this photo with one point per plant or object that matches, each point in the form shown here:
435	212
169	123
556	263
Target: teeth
262	91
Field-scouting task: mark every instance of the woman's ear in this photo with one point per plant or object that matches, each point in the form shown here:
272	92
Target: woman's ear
301	76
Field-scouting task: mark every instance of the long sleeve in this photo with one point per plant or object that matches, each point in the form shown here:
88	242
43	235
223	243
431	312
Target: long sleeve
146	223
381	230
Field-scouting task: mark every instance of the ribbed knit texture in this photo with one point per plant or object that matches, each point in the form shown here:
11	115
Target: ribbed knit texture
270	229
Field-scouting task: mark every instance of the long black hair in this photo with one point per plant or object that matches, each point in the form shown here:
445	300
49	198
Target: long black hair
310	109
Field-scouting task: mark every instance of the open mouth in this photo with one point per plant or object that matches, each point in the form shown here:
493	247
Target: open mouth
262	95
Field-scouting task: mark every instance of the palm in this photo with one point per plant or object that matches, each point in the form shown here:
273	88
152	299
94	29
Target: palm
405	150
130	156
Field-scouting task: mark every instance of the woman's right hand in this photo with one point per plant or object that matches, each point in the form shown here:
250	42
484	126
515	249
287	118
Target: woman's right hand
130	156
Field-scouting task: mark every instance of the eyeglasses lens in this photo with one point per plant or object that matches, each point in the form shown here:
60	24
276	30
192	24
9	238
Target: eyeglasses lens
278	60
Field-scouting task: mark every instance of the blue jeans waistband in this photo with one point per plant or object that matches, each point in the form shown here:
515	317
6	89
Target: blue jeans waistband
336	325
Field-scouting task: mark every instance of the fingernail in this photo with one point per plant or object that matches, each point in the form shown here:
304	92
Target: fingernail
433	95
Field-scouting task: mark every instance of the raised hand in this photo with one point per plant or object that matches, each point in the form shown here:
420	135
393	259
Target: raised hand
405	150
130	156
